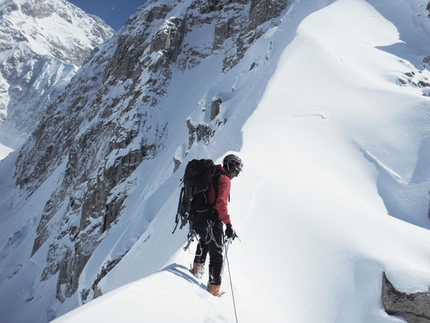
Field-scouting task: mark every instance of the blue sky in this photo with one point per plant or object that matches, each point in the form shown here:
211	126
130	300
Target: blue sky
113	12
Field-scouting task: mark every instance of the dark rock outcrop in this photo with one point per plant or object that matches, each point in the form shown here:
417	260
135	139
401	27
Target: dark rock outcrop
414	308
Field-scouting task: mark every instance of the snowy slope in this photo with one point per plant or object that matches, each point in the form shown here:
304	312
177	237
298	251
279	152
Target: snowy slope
4	151
334	191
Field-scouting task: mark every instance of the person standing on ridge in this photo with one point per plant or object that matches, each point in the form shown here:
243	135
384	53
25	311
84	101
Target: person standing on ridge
211	232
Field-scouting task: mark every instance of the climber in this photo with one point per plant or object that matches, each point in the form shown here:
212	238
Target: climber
210	229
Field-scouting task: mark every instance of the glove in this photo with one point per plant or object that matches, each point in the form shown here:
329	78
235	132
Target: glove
229	232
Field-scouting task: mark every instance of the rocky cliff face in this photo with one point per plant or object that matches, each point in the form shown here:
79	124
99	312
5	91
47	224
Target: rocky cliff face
112	117
42	45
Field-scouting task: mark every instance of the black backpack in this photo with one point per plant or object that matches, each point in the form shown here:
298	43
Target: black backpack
193	202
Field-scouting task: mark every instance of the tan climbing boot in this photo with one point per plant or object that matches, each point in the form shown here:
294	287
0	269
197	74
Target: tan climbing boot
198	270
215	290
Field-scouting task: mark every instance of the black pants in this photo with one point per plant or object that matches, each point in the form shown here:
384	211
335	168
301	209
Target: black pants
212	242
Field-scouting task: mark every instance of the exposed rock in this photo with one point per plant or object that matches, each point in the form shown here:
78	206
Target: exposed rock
169	38
246	30
177	163
414	308
416	79
199	132
215	107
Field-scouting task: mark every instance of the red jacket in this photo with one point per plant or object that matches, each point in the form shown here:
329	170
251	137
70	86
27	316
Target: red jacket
221	202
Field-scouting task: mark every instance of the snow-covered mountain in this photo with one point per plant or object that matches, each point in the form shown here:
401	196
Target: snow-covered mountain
325	101
42	45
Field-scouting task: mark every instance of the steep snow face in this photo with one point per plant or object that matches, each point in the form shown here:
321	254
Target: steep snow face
300	91
43	43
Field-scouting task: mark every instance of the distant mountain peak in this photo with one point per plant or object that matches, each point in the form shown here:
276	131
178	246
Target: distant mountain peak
42	44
